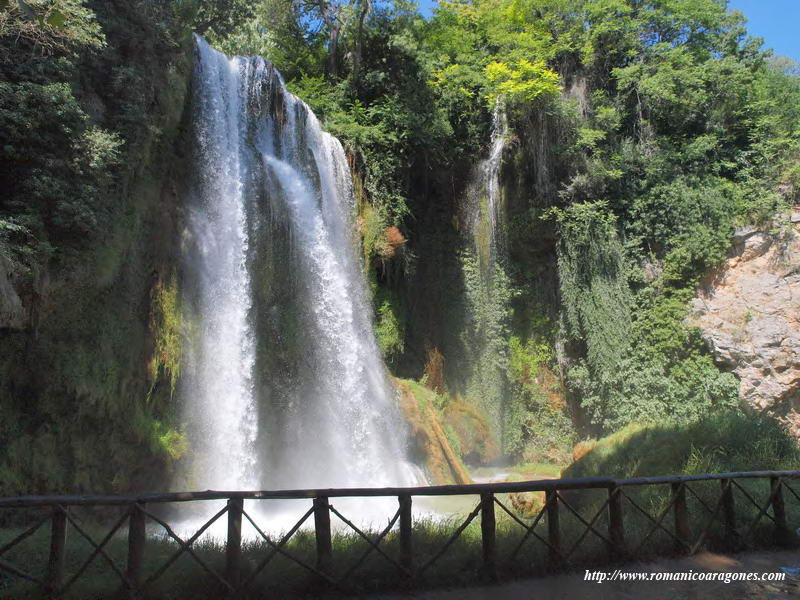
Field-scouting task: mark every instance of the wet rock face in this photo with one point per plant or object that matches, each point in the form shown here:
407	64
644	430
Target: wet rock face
12	313
750	316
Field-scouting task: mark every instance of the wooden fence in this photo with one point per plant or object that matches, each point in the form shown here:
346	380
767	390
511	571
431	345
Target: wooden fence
687	532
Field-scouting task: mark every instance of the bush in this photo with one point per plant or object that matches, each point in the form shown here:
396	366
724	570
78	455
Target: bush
537	422
724	443
57	167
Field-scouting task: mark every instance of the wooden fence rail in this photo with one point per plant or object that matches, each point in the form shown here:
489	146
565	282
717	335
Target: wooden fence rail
688	532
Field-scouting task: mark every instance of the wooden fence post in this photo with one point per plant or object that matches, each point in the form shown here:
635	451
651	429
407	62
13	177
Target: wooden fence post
406	549
682	531
782	535
488	532
136	541
616	525
729	512
553	528
322	531
58	542
233	545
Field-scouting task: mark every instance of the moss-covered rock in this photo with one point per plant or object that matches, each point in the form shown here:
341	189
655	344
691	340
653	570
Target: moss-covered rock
431	446
471	430
86	380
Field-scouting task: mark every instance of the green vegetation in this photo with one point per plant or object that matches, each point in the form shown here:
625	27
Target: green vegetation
436	445
167	324
538	426
641	132
638	361
282	577
726	442
460	565
531	471
89	122
669	127
723	443
484	338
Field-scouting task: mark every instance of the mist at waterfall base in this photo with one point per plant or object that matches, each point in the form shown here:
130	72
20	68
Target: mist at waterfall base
283	386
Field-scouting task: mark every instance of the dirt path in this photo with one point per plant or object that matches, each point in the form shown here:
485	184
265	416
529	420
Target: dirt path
573	586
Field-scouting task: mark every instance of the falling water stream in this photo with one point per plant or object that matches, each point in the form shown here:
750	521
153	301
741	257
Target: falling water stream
483	207
218	385
490	173
486	283
284	386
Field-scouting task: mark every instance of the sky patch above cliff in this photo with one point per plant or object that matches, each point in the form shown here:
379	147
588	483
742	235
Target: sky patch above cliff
774	20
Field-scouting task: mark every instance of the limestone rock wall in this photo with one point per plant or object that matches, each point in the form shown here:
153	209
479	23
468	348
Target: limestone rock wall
749	314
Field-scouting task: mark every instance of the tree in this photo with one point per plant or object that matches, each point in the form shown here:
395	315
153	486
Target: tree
219	17
48	28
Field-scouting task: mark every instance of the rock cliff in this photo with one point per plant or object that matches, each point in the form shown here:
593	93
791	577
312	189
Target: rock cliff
749	313
85	343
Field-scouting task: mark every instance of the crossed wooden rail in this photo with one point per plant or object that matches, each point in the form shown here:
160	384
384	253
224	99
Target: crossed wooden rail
559	556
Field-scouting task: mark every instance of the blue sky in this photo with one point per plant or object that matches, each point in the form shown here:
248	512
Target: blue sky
776	21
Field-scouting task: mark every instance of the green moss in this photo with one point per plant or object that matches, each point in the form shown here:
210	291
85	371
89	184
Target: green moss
423	395
166	324
467	429
164	442
434	443
453	439
172	443
390	324
373	224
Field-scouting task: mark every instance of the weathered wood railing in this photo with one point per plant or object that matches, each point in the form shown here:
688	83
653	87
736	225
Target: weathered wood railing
233	579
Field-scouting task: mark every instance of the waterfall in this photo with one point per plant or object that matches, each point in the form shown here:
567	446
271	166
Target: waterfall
490	173
483	206
218	385
284	385
487	287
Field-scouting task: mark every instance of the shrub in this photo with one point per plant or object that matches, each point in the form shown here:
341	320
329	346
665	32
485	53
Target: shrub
726	442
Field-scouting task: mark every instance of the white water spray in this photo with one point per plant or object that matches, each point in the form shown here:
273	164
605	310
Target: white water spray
217	385
483	210
272	218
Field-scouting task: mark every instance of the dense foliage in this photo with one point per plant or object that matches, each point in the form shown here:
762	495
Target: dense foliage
724	443
674	126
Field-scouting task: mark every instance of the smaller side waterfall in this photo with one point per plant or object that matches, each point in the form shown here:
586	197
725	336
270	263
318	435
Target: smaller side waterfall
485	337
484	207
491	171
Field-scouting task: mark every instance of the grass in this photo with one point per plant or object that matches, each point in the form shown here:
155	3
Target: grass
282	578
461	565
720	444
537	469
